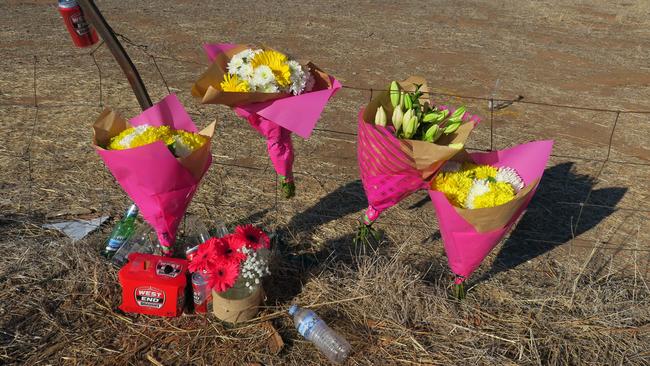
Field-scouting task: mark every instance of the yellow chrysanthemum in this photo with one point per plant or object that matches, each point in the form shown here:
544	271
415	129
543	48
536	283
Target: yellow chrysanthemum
499	193
143	135
278	64
232	83
479	171
454	185
474	183
192	141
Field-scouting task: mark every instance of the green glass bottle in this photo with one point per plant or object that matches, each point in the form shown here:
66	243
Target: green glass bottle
122	231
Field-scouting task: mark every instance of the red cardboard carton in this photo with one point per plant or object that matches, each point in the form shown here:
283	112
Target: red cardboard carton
153	285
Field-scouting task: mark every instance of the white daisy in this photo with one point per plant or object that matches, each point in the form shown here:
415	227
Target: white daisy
235	64
246	55
246	72
509	175
270	88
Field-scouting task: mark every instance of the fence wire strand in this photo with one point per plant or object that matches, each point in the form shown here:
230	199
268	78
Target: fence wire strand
27	153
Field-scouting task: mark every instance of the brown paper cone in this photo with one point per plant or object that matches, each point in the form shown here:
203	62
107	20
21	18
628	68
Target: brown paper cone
237	310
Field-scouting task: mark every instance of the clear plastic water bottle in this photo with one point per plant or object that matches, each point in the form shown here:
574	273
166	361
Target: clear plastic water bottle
142	241
314	329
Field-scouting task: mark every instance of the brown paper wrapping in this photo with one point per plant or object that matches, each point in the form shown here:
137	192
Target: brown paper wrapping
110	124
237	310
208	87
428	157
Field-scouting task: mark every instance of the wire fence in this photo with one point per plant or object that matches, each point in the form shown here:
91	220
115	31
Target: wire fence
493	103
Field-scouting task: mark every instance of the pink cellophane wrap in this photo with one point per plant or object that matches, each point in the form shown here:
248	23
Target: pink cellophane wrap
388	173
466	248
153	178
387	168
278	143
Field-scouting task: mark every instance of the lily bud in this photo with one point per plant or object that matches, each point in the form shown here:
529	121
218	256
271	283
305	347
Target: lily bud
394	93
407	116
431	132
380	117
452	128
398	117
410	126
458	113
408	103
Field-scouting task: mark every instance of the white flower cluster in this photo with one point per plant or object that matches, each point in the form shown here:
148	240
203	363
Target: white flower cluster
301	78
240	64
253	268
509	175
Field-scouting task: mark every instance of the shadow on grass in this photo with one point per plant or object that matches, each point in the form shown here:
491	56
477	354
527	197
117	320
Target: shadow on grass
294	265
550	220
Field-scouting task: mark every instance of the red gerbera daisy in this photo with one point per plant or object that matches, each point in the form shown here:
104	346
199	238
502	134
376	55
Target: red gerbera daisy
255	237
227	249
204	256
223	275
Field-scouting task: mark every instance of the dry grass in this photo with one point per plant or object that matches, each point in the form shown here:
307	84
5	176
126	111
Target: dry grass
391	312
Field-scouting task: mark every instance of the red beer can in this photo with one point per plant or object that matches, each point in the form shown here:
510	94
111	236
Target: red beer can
202	292
82	33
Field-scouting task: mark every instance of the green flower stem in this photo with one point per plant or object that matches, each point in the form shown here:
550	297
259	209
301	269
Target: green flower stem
364	233
288	188
458	291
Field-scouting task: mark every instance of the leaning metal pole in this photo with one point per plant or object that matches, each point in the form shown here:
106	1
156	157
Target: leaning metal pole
96	18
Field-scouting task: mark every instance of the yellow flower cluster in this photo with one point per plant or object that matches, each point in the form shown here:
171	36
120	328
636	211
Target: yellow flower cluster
473	186
144	134
266	71
232	83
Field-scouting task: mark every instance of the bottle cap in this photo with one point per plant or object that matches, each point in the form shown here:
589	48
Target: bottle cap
293	309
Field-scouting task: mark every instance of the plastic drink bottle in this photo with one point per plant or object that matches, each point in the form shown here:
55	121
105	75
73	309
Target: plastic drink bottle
197	233
122	231
314	329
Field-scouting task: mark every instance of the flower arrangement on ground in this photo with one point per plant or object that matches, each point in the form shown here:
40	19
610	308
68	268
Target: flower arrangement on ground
158	157
479	196
237	259
277	95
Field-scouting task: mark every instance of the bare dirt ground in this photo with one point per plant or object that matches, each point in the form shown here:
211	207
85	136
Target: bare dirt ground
568	286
